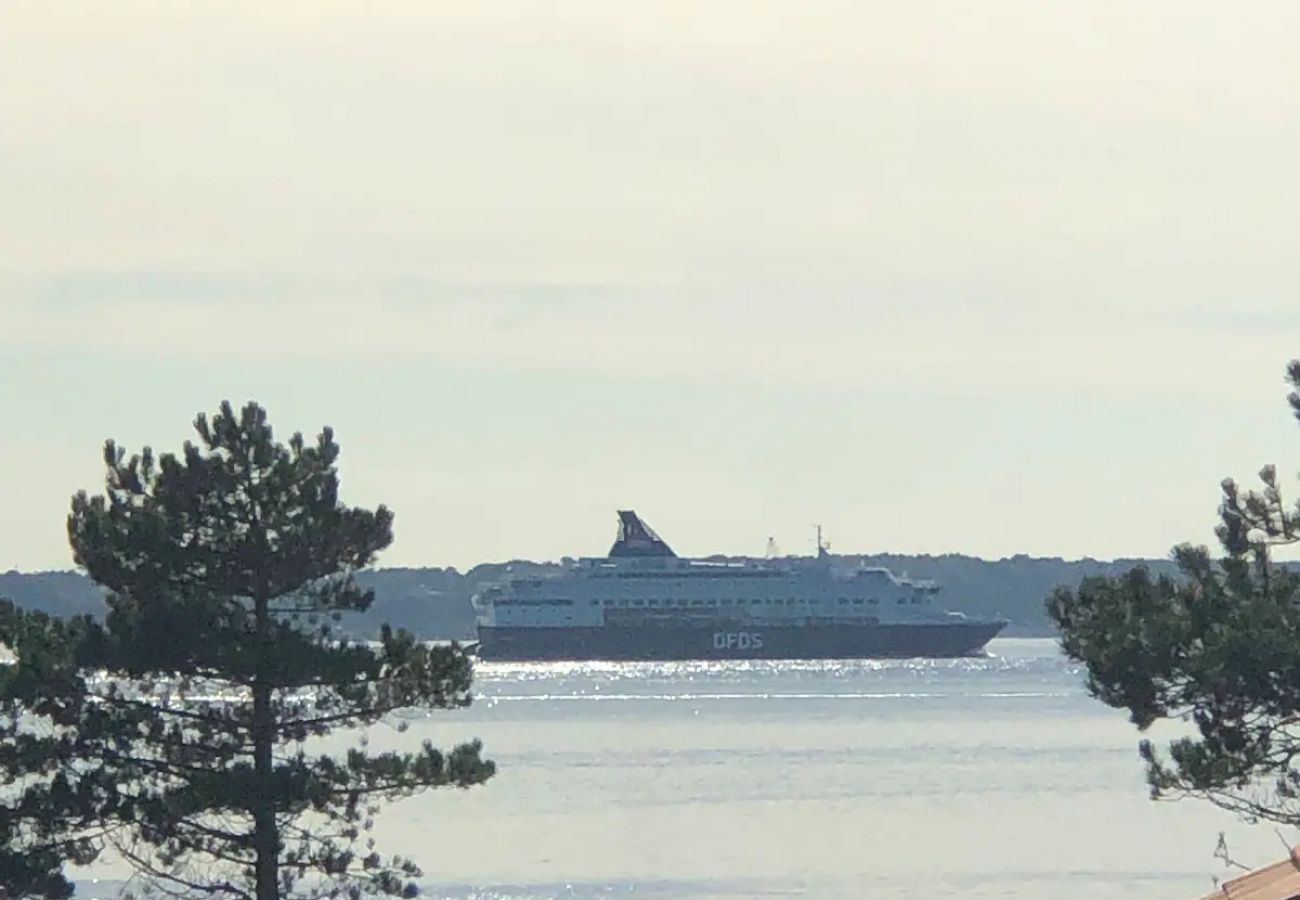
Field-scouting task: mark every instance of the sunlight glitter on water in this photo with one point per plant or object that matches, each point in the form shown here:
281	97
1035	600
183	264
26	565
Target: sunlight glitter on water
1011	659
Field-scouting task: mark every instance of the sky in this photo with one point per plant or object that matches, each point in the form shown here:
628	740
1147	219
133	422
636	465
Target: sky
989	278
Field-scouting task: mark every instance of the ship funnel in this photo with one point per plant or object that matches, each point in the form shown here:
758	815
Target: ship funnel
636	538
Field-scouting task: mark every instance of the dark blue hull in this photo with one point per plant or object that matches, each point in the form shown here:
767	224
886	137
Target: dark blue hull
846	641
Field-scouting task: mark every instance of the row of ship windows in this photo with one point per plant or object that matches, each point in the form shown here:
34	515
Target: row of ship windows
771	601
704	573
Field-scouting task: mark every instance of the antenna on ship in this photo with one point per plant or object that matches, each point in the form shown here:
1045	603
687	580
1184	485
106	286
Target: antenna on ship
822	546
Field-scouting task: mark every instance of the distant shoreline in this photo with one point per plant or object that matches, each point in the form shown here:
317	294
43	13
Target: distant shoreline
435	603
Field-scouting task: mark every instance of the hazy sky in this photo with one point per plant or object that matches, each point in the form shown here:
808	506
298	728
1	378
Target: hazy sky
990	277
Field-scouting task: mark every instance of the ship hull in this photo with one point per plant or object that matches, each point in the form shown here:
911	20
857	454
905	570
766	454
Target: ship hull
843	641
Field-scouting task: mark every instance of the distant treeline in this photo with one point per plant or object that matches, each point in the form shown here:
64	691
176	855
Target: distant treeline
435	603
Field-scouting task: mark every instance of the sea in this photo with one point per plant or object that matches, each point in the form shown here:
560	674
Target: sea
989	777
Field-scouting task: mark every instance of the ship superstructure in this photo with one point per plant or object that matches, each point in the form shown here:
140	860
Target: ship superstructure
642	601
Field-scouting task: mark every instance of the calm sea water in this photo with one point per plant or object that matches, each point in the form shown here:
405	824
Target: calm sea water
993	777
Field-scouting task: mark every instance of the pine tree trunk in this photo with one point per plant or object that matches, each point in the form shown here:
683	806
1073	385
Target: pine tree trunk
266	838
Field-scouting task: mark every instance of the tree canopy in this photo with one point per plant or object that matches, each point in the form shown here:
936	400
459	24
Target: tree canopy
1216	646
185	724
49	812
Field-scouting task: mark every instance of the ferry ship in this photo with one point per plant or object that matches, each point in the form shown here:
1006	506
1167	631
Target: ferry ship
643	602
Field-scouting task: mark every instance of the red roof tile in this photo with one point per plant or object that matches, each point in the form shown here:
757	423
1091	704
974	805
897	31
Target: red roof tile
1280	881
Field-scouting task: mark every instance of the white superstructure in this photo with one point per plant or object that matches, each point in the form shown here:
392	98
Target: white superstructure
643	582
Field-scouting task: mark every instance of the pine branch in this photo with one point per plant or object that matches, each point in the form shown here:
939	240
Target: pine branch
142	864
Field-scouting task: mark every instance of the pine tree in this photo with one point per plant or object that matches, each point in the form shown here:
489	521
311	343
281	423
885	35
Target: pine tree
1217	647
227	568
50	813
